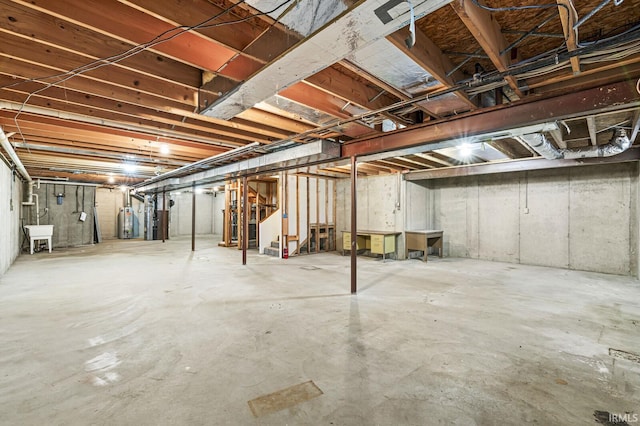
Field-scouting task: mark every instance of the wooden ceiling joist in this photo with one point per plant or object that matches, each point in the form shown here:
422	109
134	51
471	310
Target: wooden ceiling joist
487	32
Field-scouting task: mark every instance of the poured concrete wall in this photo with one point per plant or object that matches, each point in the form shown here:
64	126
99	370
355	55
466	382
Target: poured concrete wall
206	213
581	218
10	230
68	229
380	206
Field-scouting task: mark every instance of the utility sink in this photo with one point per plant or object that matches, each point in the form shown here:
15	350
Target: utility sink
39	232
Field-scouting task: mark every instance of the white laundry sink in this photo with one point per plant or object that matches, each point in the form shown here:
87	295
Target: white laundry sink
39	232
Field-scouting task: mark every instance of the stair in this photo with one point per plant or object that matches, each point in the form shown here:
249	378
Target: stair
274	250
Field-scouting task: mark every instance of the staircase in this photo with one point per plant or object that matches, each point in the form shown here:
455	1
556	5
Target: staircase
274	250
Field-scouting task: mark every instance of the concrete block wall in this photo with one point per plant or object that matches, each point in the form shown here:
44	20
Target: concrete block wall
583	218
380	206
68	230
10	230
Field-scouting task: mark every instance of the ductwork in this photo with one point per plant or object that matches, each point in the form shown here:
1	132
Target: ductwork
619	143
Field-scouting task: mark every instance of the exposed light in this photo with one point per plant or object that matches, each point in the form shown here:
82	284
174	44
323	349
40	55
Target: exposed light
164	149
123	188
129	167
111	179
177	193
199	190
465	150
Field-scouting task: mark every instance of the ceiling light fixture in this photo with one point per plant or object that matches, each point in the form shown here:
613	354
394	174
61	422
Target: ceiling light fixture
164	149
129	167
465	150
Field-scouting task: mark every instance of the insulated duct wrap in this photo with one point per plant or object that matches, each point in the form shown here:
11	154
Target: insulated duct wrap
618	144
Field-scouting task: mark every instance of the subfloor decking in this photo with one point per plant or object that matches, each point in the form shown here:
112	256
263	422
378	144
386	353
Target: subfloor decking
146	333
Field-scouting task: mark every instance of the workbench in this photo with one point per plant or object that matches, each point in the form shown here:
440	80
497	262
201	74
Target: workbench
377	242
422	240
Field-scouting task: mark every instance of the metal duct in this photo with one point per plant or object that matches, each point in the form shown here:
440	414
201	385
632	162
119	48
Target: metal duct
619	143
299	156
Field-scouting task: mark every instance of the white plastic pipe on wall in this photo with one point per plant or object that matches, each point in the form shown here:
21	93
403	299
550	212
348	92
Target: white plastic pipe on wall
4	141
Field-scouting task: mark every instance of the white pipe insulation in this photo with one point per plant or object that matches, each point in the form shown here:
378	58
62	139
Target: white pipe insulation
619	143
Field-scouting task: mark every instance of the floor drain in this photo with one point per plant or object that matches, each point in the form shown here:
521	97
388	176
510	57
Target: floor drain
309	268
629	356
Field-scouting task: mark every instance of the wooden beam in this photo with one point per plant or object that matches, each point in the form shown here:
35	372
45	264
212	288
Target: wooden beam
130	25
315	98
429	56
335	82
36	26
635	126
504	148
593	134
96	106
568	17
537	163
486	30
400	94
556	134
437	158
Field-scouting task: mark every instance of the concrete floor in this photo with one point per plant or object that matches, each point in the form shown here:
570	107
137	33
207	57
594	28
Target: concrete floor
146	333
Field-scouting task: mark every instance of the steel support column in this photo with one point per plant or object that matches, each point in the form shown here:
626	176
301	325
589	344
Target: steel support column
354	227
193	217
164	220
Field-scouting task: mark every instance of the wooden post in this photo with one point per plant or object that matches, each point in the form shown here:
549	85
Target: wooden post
245	221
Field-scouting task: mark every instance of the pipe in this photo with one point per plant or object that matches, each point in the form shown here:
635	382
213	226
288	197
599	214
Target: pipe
4	141
619	143
37	207
23	171
12	106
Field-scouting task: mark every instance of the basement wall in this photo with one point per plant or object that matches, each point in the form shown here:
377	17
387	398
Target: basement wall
208	213
583	218
68	229
380	206
108	204
10	230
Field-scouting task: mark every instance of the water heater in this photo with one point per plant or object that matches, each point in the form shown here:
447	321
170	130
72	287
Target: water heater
125	223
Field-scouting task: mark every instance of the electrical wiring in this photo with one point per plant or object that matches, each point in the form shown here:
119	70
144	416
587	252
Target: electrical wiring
513	8
161	38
